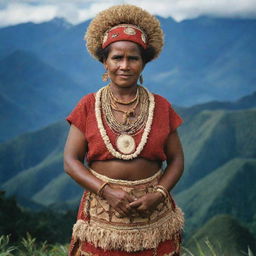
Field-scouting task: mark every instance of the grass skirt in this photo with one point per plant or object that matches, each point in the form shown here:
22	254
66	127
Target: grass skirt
100	230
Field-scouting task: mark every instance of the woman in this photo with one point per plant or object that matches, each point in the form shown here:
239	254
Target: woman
125	133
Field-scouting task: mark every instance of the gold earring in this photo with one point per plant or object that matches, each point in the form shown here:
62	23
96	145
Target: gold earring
105	77
141	79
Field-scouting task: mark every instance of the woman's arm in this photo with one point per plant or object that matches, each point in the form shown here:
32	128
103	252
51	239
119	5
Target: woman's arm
74	152
175	162
173	172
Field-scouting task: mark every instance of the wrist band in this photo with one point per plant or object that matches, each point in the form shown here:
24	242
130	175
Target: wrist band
162	190
100	190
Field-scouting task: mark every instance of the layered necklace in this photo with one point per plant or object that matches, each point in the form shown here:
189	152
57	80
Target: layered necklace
109	103
106	102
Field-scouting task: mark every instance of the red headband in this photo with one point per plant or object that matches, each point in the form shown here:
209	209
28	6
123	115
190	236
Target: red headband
124	32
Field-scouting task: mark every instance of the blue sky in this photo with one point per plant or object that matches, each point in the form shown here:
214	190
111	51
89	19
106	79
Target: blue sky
18	11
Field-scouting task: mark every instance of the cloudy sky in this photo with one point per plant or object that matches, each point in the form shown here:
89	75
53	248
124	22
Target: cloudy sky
76	11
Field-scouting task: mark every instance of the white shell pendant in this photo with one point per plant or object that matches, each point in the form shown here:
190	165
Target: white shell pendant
125	143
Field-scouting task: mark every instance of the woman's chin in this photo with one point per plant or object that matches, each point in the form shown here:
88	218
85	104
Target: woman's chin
125	83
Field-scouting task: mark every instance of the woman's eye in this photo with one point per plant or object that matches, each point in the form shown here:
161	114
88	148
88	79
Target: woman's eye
117	57
133	58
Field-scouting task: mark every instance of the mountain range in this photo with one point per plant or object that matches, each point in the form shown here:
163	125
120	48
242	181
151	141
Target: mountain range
45	68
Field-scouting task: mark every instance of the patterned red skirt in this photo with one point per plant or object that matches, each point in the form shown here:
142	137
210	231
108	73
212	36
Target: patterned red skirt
100	231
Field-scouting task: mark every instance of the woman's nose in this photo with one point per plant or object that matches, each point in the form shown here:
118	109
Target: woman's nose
124	64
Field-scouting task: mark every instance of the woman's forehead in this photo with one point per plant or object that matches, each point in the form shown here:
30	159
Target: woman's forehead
124	46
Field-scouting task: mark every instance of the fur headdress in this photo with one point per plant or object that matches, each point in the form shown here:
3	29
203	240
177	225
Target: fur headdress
124	14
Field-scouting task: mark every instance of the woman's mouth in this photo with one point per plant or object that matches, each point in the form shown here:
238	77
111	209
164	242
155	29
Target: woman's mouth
124	75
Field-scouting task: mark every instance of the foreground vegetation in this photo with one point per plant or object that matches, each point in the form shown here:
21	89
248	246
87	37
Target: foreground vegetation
45	225
28	246
210	250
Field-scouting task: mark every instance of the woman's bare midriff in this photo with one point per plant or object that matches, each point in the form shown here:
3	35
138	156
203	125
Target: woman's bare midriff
135	169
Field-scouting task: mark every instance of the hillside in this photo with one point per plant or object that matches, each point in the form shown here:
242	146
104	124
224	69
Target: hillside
212	138
31	149
226	235
34	94
227	190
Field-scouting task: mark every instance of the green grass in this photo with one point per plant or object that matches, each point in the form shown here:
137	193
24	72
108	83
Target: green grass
29	246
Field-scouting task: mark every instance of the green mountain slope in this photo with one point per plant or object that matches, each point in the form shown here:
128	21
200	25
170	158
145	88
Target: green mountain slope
227	190
211	138
225	234
58	191
30	181
31	149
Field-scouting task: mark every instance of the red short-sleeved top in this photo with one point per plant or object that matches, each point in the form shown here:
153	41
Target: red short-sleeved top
165	121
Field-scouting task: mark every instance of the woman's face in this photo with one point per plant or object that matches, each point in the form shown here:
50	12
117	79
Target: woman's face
124	63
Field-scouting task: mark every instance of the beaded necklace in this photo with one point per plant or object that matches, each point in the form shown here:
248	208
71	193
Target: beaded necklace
125	142
126	113
121	101
125	127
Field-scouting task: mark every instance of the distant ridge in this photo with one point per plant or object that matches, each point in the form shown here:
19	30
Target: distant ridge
27	36
246	102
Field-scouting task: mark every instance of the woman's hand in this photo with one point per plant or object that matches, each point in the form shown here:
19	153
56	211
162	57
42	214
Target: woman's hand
146	204
119	199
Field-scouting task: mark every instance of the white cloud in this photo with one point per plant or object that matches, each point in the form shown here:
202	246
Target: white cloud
183	9
93	9
76	11
19	12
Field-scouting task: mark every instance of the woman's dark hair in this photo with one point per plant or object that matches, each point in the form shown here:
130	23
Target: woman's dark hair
146	54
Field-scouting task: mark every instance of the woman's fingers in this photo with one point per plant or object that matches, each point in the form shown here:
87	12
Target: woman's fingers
135	204
120	212
130	198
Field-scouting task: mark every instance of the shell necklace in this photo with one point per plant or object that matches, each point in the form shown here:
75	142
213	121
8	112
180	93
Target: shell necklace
125	143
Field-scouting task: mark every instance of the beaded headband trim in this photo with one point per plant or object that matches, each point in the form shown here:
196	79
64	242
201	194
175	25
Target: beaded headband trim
124	32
